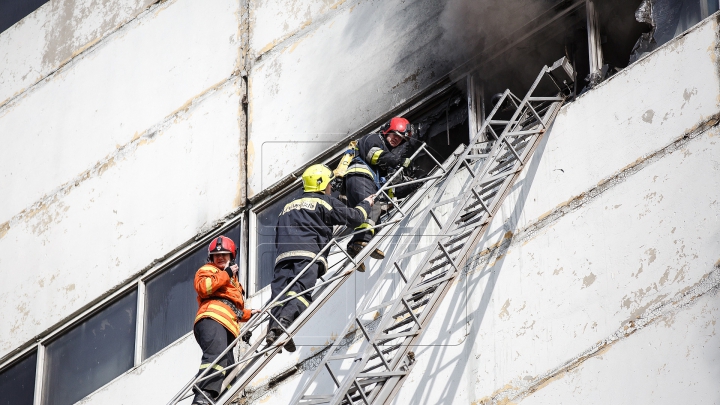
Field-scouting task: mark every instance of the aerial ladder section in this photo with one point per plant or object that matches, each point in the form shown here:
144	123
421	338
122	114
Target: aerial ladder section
389	322
460	196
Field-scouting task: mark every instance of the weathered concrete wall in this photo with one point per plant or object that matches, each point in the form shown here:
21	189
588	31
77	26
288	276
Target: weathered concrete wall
605	253
53	34
613	230
119	157
329	70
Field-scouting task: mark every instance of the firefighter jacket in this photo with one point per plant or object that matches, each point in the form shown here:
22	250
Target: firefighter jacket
304	226
377	157
217	295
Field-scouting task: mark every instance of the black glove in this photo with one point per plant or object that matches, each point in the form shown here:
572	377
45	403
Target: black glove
246	337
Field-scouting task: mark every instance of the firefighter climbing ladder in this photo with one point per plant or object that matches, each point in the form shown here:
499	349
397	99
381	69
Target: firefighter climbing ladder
390	321
484	174
239	374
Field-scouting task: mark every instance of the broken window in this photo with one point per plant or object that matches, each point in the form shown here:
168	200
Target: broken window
91	354
667	19
17	381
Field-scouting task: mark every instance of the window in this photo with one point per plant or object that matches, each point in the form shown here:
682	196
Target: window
266	220
17	382
170	303
15	10
91	354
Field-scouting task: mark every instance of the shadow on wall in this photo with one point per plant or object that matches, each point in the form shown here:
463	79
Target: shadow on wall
439	361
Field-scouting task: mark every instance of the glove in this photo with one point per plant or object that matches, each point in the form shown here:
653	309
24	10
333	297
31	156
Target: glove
246	337
406	163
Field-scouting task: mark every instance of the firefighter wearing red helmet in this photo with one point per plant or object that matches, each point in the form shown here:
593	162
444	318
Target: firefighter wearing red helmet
221	308
377	155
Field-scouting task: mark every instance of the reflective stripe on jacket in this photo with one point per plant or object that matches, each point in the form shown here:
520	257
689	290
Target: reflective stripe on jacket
213	284
379	155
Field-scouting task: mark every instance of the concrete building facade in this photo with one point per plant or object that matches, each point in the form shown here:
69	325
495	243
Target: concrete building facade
134	132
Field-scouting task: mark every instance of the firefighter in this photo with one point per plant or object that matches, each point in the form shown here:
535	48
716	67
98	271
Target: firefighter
304	227
221	308
378	155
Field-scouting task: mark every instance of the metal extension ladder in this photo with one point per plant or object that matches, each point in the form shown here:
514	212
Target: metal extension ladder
391	319
241	373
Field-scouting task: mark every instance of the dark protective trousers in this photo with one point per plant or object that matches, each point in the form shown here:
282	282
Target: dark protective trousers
213	338
358	188
283	274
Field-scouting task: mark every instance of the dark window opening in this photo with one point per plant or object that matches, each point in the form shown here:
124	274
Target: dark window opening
17	382
12	11
91	354
170	299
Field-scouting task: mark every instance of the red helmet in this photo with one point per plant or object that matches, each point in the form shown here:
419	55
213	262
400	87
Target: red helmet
222	244
399	124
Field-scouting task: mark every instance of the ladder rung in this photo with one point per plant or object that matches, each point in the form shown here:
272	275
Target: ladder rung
414	252
315	401
435	267
343	356
375	308
394	336
525	132
545	99
381	374
428	286
317	397
416	306
458	238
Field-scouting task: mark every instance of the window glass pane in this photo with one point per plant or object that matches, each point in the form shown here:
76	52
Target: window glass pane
266	223
12	11
17	382
91	354
170	300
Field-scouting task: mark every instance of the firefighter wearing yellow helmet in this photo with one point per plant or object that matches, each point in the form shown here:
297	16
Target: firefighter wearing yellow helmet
304	227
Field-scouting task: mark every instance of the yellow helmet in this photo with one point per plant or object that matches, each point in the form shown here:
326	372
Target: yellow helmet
316	178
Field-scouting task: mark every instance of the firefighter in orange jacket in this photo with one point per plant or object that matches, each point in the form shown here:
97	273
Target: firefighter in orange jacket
220	297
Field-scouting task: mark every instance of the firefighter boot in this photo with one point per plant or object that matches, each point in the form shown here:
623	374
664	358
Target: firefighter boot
355	247
352	252
201	399
290	344
274	333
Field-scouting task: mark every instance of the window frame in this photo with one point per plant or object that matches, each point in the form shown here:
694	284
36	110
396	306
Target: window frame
137	282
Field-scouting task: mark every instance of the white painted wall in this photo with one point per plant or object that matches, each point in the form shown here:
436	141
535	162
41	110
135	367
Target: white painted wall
610	272
619	246
352	64
122	155
53	34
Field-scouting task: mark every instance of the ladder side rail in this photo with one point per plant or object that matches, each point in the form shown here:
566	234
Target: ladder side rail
329	290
